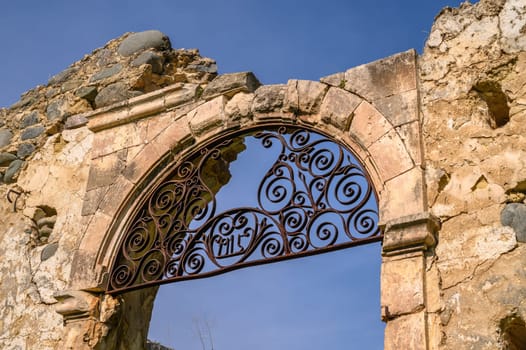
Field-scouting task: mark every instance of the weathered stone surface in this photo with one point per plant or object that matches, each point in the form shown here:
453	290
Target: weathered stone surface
62	76
30	119
239	106
106	169
48	251
6	158
12	171
512	21
304	96
514	215
24	150
207	116
389	76
402	286
150	58
106	73
113	93
87	92
150	39
269	98
70	85
32	132
406	332
230	84
368	124
5	137
338	106
55	110
75	121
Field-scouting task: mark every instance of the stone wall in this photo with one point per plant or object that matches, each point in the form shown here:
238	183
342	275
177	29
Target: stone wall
74	151
473	95
45	155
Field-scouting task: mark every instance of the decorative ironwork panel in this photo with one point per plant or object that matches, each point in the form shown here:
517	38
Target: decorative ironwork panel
313	197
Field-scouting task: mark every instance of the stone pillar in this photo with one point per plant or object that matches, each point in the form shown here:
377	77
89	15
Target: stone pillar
407	243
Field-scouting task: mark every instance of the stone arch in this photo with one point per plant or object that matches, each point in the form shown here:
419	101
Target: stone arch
136	138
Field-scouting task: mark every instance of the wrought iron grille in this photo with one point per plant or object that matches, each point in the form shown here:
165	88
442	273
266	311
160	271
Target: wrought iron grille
313	197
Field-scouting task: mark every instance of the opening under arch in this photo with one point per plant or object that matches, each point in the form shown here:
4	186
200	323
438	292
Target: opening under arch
314	196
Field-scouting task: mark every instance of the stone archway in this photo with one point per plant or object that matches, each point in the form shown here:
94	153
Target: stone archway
373	109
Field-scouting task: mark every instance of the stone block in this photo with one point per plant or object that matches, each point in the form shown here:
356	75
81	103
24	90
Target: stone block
150	58
107	72
402	286
31	132
116	194
368	125
149	39
112	93
406	332
62	76
5	137
30	119
239	106
414	232
268	98
390	155
12	171
56	109
105	170
410	135
382	78
230	84
187	93
25	150
6	158
400	108
92	200
207	116
75	121
338	106
402	196
111	140
87	92
304	96
514	215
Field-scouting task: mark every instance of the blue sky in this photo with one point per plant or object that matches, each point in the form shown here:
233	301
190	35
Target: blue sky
329	301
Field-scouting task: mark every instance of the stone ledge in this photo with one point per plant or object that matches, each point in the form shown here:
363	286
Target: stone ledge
409	233
140	106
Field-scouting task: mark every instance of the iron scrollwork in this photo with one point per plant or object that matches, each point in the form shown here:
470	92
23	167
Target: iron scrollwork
315	197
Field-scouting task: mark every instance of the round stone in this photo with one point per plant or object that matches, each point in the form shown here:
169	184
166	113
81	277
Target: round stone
150	39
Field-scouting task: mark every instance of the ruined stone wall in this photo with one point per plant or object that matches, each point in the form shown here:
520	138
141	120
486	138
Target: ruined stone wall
59	175
45	154
473	103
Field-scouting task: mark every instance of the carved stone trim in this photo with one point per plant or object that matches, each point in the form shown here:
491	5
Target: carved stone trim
76	305
410	234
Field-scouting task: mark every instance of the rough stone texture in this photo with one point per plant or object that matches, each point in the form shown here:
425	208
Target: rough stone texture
150	39
269	98
6	158
5	137
31	132
150	58
230	84
474	147
454	145
514	215
30	119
